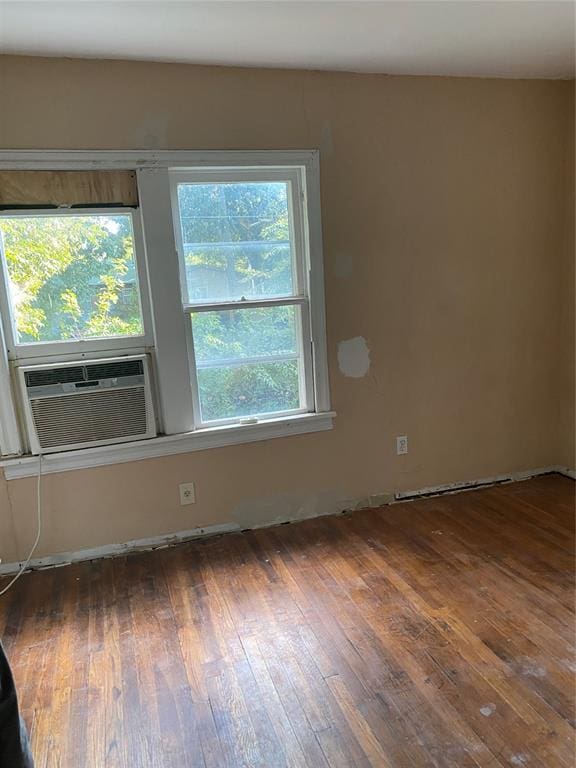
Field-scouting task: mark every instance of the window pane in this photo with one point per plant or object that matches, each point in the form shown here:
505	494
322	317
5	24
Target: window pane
245	390
244	333
236	240
247	361
72	277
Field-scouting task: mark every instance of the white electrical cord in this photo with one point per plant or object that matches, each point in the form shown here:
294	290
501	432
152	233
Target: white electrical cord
39	516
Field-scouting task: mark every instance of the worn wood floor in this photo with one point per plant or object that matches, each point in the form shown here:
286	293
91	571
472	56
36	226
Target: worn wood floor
434	633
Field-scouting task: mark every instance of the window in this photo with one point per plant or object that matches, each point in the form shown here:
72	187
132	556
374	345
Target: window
69	277
243	263
215	275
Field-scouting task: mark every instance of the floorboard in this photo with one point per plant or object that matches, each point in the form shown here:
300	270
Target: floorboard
433	633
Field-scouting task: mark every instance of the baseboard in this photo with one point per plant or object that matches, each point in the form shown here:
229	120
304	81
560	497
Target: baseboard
159	542
514	477
115	550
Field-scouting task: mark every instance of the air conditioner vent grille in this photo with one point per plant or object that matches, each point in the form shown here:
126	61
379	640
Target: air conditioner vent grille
88	372
41	378
114	370
90	416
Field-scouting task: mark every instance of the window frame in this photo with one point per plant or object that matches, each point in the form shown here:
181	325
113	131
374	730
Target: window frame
31	351
294	177
160	291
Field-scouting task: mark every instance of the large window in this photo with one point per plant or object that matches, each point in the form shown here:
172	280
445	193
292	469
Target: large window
69	277
206	265
243	264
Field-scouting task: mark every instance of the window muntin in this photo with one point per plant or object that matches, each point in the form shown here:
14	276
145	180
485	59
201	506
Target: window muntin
249	330
71	276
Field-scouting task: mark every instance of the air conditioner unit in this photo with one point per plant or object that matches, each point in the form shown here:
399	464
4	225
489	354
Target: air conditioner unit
84	404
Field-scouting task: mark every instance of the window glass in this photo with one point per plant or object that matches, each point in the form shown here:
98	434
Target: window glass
242	333
71	276
247	390
247	361
236	240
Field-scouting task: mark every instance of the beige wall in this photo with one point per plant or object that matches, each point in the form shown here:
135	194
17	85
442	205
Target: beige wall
567	372
446	248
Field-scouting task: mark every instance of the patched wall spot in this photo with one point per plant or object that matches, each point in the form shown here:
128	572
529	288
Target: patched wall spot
288	507
354	357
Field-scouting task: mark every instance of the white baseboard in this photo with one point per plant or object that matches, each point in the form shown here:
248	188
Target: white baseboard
158	542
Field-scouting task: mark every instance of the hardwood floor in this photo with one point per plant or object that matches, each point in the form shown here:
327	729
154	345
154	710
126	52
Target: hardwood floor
432	633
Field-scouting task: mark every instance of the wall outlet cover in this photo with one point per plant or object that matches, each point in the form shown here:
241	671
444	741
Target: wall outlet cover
401	445
187	494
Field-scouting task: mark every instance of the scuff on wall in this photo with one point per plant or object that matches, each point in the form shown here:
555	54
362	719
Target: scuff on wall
354	357
152	131
289	507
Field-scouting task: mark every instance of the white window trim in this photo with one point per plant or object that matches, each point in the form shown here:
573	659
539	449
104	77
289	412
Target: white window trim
174	404
9	433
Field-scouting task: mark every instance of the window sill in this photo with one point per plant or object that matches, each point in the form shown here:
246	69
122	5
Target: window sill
168	445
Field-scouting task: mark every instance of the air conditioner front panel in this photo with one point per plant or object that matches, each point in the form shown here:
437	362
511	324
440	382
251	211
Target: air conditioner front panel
104	415
87	404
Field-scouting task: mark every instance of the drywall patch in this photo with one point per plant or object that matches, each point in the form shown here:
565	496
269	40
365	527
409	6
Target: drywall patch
289	507
153	131
354	357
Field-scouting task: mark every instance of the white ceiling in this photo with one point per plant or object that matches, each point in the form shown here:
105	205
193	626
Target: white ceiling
505	38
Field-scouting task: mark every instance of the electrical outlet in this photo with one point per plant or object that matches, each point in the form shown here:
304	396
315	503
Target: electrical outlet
401	445
187	494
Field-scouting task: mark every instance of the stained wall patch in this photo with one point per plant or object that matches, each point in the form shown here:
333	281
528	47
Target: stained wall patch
354	357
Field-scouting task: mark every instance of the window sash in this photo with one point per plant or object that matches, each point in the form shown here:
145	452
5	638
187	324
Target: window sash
291	174
303	355
294	177
41	349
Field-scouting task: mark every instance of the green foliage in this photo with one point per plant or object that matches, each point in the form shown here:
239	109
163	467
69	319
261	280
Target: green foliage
236	240
244	333
68	274
246	390
239	390
237	245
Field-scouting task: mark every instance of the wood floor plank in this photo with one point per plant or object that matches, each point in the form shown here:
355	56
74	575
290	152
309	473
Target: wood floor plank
432	634
461	633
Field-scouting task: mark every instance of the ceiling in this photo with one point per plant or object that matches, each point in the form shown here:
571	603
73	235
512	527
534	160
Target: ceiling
514	38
